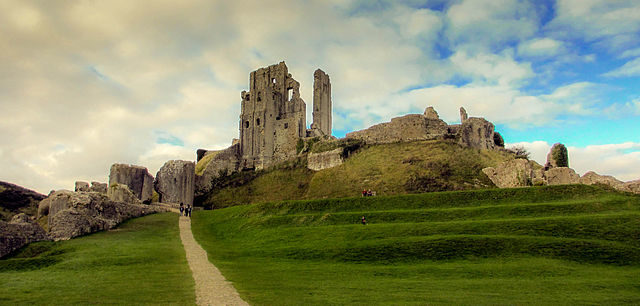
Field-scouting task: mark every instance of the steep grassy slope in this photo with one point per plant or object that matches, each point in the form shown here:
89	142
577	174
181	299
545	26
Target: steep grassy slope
542	245
389	169
140	262
15	199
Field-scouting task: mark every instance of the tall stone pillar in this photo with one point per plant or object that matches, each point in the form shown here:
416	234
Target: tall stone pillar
322	102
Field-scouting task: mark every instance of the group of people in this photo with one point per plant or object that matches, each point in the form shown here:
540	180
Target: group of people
368	193
185	211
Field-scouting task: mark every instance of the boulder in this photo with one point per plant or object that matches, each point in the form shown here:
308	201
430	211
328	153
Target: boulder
430	113
325	160
476	133
75	214
43	208
513	173
20	231
558	156
82	186
591	178
561	176
175	182
98	187
121	193
137	178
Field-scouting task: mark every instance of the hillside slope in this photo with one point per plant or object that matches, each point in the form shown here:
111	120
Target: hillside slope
15	199
570	244
388	169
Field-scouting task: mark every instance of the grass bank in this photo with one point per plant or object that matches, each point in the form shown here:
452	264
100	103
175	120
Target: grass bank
140	262
542	245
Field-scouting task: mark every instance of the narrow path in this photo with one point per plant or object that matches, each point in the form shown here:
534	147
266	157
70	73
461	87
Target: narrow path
211	287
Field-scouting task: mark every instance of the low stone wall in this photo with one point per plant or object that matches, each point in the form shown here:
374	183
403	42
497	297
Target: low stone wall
325	160
406	128
20	231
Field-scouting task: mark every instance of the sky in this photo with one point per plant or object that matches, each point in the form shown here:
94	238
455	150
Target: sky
85	84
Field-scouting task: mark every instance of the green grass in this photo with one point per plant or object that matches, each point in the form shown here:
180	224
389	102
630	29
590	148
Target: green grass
140	262
542	245
388	169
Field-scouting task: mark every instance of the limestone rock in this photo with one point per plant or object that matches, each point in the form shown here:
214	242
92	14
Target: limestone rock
430	113
224	162
20	231
561	176
558	156
137	178
121	193
43	208
463	115
325	160
632	186
75	214
406	128
175	182
591	178
513	173
476	133
98	187
82	186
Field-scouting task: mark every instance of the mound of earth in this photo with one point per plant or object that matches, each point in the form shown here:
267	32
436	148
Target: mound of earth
15	199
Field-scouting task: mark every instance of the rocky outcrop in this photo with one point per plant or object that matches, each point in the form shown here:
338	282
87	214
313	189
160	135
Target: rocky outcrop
121	193
73	214
430	113
175	182
18	232
81	186
558	156
592	178
476	133
98	187
406	128
325	160
223	162
137	178
513	173
561	176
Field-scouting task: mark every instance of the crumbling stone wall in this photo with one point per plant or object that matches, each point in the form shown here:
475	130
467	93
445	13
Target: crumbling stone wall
137	178
558	156
175	182
321	103
273	117
406	128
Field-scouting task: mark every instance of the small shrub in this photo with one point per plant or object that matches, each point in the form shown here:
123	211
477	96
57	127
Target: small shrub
520	152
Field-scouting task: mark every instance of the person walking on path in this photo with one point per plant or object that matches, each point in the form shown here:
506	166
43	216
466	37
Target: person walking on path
181	208
188	211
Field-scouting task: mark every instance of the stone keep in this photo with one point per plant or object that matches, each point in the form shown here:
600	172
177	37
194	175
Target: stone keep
273	117
175	182
321	102
137	178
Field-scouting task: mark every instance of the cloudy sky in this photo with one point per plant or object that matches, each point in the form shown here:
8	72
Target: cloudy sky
84	84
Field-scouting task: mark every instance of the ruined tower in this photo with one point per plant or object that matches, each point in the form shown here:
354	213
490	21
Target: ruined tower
321	102
273	117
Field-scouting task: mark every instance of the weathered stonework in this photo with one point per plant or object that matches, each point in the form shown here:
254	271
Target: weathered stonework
18	232
122	193
406	128
224	162
430	113
325	160
321	103
273	118
592	178
98	187
81	186
558	156
476	133
561	176
137	178
463	115
175	182
513	173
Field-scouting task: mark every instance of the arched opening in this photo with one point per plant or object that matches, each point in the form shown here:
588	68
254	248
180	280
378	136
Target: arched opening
246	124
258	122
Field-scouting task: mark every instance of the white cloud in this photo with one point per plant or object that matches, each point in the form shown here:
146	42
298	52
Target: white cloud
540	47
491	68
620	160
629	69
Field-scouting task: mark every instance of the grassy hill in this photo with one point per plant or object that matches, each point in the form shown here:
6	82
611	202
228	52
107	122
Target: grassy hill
140	262
15	199
389	169
542	245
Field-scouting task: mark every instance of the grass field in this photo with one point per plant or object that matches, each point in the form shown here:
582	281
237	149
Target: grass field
140	262
542	245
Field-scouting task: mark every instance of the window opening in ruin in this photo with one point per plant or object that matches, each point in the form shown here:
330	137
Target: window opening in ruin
278	118
258	122
289	93
286	125
246	124
259	96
